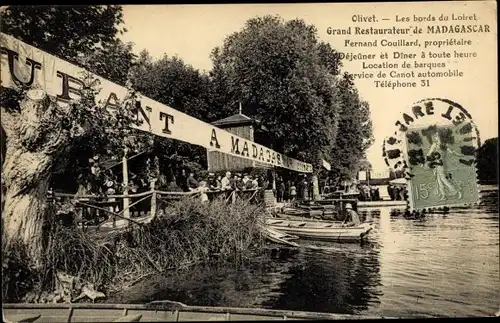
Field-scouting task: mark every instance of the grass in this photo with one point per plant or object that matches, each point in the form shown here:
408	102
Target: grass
189	232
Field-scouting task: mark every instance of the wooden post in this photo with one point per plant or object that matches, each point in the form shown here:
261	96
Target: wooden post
126	201
315	192
153	198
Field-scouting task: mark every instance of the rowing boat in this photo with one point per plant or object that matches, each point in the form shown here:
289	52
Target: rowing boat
159	311
278	236
320	230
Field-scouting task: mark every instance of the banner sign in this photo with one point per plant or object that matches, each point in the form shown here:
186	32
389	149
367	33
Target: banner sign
362	176
22	63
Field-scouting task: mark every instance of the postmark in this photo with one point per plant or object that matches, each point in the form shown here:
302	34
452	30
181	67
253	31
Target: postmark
435	144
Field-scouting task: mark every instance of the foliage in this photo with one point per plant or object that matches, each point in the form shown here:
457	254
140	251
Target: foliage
193	231
365	165
487	161
112	61
107	135
188	232
173	83
19	276
277	70
86	36
74	33
354	133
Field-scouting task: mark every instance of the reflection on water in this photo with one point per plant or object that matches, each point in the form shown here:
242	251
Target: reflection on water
439	266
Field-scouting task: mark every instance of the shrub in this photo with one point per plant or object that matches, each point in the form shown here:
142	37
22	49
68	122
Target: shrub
188	232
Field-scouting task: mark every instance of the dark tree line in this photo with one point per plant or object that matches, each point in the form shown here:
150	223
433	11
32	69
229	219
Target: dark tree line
487	162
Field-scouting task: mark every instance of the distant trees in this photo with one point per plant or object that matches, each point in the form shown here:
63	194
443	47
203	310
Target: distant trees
487	162
354	132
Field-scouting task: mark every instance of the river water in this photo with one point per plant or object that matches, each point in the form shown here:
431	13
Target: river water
441	265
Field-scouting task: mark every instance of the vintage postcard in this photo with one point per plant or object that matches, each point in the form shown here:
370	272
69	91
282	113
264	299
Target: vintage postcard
249	161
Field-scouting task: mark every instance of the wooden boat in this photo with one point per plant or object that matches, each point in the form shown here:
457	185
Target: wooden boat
321	209
303	218
279	237
160	311
383	203
322	231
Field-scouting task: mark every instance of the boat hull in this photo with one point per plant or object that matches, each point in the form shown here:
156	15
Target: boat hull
72	313
332	232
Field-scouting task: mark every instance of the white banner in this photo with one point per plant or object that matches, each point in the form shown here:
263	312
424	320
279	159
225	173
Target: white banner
21	62
362	176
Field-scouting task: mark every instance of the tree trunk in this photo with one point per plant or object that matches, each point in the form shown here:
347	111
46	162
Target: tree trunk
34	139
26	177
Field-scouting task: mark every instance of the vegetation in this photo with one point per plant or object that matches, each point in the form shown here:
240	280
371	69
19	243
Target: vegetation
487	162
277	69
189	232
82	35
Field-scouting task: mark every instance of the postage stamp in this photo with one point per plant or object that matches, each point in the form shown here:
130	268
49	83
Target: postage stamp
443	172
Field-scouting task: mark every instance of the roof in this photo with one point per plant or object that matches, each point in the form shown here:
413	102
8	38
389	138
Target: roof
238	119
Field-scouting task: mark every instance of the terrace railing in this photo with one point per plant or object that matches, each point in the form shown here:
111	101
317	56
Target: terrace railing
108	211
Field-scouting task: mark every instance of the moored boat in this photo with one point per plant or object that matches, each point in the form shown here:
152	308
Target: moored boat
160	311
279	237
383	203
322	231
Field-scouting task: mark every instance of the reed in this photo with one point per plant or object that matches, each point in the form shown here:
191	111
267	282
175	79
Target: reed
188	232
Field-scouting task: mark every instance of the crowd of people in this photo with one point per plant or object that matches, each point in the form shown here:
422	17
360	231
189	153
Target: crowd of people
104	183
368	193
397	193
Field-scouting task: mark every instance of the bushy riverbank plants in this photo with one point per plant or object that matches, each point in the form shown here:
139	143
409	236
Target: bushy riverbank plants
78	263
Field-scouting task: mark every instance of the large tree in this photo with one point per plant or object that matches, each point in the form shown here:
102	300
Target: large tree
290	80
284	77
40	134
86	36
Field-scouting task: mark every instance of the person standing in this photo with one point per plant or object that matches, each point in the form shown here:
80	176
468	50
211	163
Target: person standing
211	182
182	183
192	183
255	183
245	179
286	195
305	188
226	181
203	189
280	189
249	183
240	186
293	192
218	182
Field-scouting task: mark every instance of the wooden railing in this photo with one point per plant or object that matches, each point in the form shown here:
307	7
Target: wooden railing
94	210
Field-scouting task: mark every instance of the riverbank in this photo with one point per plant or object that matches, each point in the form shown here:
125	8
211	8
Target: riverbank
399	273
81	266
